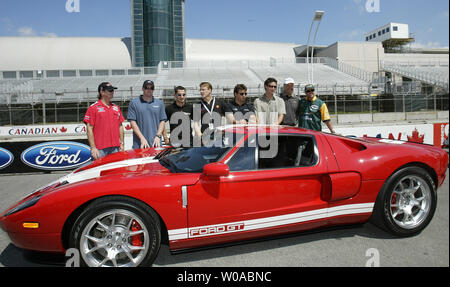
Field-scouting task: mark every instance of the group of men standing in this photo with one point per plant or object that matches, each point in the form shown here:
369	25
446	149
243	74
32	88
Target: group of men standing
148	115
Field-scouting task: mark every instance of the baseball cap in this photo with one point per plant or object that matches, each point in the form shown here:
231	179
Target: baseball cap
289	81
148	82
309	87
106	86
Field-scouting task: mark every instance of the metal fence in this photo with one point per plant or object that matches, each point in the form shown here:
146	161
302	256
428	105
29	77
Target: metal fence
46	108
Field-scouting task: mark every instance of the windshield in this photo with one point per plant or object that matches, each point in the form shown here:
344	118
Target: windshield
193	159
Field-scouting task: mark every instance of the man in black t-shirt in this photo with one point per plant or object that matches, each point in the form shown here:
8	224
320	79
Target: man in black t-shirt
179	114
239	111
207	114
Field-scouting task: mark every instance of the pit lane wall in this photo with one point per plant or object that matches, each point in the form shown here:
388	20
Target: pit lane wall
45	148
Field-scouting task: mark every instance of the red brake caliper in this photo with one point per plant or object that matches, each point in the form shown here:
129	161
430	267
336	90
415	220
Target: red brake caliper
136	240
393	200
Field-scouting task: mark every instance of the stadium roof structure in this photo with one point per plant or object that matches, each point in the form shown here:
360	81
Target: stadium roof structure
47	53
205	49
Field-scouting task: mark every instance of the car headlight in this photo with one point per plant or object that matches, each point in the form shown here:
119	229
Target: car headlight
24	205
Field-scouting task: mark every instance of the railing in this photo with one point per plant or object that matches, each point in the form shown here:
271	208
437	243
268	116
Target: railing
37	108
351	70
412	70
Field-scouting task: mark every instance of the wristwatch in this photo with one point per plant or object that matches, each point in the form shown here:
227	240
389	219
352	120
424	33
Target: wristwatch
159	136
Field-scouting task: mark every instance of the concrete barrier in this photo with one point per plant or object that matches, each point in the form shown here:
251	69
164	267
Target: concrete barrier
421	116
389	117
442	115
354	118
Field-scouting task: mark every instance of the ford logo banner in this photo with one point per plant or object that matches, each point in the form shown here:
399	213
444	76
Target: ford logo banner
58	155
6	158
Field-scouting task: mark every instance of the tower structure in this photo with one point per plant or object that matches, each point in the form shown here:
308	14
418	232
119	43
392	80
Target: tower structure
157	31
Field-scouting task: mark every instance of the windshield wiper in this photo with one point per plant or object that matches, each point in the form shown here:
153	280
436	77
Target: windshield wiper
168	162
164	153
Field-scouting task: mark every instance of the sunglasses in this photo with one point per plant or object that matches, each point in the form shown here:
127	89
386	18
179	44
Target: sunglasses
149	88
309	91
274	87
242	94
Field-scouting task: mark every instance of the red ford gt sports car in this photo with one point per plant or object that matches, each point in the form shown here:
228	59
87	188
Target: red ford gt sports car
248	182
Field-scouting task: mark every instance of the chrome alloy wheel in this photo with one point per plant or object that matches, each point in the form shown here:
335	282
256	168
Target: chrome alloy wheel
410	202
116	238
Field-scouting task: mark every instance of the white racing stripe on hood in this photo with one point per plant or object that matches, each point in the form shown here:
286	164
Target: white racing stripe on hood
95	172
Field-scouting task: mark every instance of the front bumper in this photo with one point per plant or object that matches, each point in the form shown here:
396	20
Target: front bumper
30	239
37	242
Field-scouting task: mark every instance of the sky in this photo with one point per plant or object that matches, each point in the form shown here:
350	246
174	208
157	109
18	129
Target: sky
253	20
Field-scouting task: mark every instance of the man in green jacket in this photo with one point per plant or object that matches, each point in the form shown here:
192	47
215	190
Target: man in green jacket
313	111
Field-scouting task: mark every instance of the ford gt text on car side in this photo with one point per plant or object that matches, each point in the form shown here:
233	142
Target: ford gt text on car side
248	182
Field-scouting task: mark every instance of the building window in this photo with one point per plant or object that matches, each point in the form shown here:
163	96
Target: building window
384	31
395	28
379	33
387	30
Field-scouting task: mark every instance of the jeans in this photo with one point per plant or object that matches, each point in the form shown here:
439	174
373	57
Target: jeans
108	150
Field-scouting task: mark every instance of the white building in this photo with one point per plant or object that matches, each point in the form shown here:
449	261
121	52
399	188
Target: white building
387	32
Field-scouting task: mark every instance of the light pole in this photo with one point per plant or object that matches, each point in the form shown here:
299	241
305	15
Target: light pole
317	18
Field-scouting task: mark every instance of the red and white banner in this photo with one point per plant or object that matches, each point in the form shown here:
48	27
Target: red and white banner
433	133
48	130
440	133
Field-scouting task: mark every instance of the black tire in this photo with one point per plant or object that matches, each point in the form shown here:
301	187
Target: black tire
406	202
101	233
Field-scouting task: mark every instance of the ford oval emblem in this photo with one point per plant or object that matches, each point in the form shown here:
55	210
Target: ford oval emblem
6	158
58	155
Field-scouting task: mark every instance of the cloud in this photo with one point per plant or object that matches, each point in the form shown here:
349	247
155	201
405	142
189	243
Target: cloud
429	45
356	34
46	34
30	32
26	32
8	27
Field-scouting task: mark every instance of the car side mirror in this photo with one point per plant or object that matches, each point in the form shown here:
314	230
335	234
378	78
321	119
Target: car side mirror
216	169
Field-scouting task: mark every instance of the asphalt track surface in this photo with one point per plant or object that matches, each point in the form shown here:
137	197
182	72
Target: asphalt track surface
353	246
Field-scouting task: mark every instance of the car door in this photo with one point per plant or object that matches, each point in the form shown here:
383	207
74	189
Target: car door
256	199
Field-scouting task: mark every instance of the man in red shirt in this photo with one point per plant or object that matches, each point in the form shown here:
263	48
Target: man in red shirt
104	123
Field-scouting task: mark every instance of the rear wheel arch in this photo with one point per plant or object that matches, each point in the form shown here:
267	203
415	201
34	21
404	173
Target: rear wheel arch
431	172
381	213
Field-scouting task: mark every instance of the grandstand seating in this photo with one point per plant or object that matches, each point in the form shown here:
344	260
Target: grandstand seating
431	73
223	78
